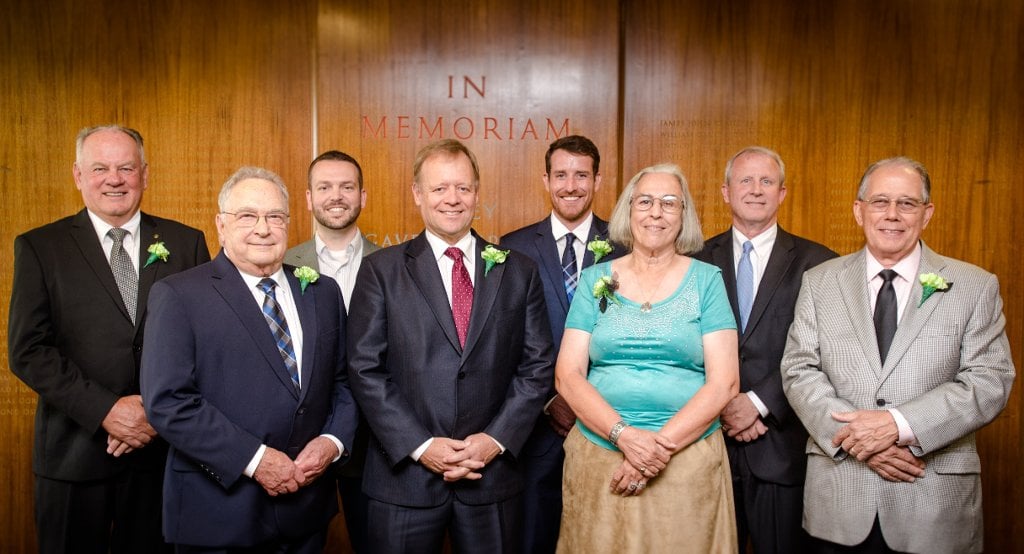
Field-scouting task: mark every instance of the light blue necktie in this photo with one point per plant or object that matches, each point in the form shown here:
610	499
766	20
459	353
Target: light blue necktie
745	285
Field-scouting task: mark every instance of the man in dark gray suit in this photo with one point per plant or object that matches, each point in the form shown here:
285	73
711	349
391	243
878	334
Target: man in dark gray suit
765	438
450	359
336	196
571	177
75	336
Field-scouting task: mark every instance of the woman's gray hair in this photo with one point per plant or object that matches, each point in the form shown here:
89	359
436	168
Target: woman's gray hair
249	172
690	238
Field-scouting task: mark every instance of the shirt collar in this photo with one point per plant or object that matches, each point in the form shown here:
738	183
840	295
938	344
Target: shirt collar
582	231
467	244
252	280
764	239
354	248
905	268
102	227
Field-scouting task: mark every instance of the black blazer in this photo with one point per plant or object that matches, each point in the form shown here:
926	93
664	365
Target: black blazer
71	340
413	380
777	456
537	242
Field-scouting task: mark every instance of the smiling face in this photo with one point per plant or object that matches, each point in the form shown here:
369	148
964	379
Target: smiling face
571	184
446	194
335	197
257	250
754	192
655	230
892	235
111	176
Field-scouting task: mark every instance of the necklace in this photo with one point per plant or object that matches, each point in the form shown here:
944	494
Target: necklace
646	307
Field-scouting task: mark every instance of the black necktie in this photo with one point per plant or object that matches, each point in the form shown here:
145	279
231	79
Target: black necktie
885	313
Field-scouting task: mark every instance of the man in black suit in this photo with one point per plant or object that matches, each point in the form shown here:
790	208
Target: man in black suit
450	358
762	267
248	385
75	337
571	177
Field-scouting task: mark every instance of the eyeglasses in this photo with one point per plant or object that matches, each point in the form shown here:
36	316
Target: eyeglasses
904	205
670	203
251	219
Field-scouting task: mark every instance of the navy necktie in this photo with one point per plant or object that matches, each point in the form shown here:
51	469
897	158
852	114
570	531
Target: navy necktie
462	293
885	313
279	327
124	273
570	273
745	285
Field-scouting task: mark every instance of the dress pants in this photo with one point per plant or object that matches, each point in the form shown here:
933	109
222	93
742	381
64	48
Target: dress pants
767	513
542	460
491	528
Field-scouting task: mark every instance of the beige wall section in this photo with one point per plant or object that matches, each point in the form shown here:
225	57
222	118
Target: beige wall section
832	86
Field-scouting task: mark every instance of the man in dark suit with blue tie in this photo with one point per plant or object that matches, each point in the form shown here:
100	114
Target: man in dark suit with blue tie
77	320
571	177
762	266
450	359
246	380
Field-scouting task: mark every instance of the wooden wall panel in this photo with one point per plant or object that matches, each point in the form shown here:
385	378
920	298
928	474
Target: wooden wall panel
506	77
834	86
210	85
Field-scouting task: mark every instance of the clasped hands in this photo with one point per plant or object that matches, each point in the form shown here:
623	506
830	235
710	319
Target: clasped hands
279	474
741	420
460	459
645	454
870	436
126	426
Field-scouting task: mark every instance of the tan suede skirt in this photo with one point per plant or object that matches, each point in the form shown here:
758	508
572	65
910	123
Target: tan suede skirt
687	508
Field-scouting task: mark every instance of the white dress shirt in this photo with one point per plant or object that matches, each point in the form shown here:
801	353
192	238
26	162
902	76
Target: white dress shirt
131	240
759	255
341	265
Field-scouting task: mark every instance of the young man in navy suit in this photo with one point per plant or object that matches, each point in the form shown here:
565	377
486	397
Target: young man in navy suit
247	383
571	177
451	361
76	338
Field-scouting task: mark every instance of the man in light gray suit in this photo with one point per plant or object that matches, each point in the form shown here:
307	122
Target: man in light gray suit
895	357
335	195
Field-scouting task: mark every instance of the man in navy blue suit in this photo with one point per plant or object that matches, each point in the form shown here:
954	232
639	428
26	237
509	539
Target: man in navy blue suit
246	380
571	176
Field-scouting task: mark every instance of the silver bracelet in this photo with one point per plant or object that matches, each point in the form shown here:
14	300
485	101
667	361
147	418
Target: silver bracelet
613	435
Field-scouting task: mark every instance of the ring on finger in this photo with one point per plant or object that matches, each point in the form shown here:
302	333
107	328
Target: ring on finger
643	471
641	485
633	485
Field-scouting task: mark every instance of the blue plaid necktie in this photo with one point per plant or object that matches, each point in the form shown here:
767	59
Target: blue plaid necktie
569	271
745	285
279	327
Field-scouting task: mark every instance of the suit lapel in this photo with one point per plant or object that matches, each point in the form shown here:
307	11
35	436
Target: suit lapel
914	316
550	263
305	304
598	228
229	284
852	283
721	255
149	233
485	291
422	268
84	235
779	262
306	255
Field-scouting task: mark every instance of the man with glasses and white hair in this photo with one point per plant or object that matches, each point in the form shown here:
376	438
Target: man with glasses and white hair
75	334
762	265
895	358
247	383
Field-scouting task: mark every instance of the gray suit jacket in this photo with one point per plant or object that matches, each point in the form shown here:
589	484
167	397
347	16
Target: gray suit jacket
305	253
948	371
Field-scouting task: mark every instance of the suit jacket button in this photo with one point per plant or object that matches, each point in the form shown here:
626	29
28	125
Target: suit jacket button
880	402
462	375
302	411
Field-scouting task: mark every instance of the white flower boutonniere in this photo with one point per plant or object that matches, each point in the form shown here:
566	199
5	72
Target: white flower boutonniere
306	275
930	283
600	247
604	290
492	256
157	251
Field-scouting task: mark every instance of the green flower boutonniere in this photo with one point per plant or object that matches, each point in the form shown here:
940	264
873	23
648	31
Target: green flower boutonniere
157	251
604	290
492	256
306	275
931	282
600	247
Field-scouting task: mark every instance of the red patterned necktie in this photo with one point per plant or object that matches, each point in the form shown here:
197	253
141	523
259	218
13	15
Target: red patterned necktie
462	293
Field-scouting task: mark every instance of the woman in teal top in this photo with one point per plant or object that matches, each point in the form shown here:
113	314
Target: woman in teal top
648	361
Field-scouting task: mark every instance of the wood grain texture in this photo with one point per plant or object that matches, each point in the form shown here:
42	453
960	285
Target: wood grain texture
832	86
